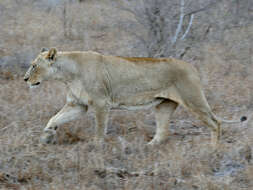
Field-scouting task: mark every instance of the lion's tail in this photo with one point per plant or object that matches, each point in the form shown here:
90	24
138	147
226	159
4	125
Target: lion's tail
242	119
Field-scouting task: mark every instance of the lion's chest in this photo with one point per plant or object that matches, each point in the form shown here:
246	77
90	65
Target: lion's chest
78	92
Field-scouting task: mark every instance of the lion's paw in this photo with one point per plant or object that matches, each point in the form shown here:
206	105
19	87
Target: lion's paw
157	141
49	137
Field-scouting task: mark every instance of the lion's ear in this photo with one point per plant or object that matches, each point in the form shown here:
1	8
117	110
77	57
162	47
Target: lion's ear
52	54
43	50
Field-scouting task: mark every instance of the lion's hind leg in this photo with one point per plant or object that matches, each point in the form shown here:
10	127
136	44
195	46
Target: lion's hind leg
194	99
163	112
207	117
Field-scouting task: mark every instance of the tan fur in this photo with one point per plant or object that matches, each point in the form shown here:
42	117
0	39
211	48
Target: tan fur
105	82
144	59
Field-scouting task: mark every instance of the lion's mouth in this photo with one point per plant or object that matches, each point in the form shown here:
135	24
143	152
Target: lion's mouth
36	84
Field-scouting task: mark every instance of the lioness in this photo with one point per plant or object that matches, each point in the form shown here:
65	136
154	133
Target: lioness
104	82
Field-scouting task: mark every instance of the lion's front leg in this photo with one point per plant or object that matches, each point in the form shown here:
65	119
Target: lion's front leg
101	116
69	112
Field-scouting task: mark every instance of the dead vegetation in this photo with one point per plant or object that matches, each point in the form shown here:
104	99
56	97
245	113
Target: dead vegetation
218	43
186	161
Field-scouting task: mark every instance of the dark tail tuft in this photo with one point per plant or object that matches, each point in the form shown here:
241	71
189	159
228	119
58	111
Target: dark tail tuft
243	118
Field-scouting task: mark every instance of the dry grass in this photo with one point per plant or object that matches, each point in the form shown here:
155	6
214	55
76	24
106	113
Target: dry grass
186	161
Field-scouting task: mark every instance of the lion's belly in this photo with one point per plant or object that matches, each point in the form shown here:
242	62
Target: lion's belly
136	102
146	105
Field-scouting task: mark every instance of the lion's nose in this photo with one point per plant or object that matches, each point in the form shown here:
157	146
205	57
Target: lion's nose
26	79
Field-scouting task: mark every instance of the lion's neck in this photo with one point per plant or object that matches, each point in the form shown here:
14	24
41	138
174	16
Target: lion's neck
66	68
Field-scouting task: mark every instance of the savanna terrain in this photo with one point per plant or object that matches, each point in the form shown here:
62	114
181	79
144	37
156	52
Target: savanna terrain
219	43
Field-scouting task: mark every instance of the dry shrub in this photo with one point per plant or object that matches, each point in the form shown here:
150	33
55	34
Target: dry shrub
32	173
6	75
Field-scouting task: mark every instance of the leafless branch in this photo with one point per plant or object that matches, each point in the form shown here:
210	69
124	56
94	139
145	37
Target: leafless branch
179	26
210	5
188	27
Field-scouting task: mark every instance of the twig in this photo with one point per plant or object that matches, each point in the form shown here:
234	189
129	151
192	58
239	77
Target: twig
179	26
7	126
210	5
78	166
188	27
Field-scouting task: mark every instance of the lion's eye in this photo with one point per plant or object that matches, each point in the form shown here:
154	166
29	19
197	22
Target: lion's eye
34	66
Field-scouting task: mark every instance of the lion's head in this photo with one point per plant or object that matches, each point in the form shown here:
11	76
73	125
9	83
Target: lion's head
41	68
